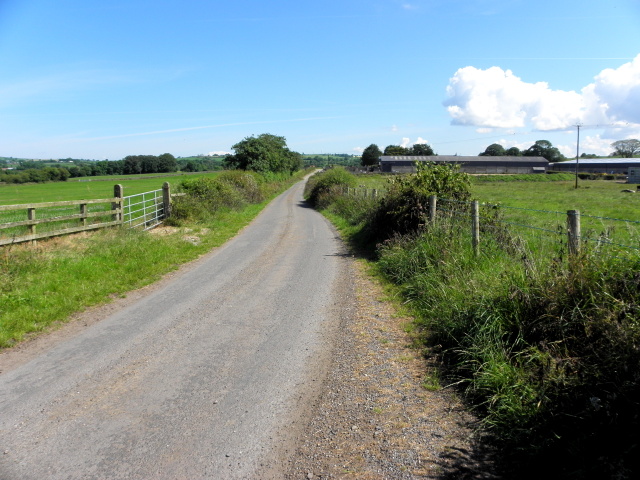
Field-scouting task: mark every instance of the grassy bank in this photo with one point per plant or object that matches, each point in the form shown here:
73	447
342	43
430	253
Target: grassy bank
44	284
544	348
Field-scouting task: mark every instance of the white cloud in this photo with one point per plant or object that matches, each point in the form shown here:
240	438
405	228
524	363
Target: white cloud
394	128
596	144
405	142
219	152
358	149
496	98
420	141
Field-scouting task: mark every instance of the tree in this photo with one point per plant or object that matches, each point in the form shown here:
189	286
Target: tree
494	150
421	150
544	148
370	155
513	152
395	150
167	163
265	153
626	148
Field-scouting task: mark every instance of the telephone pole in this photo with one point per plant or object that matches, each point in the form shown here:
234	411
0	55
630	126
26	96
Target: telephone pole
577	152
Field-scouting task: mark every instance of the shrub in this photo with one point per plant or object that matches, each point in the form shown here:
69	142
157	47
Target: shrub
249	184
323	188
404	208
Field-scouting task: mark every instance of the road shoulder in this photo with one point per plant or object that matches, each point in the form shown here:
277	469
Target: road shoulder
375	418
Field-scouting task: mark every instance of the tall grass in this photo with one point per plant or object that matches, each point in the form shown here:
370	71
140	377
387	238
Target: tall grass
545	348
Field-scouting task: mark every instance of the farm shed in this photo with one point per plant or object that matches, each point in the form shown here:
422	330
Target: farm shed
598	165
477	165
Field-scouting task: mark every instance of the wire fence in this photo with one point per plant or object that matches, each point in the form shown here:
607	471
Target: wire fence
554	232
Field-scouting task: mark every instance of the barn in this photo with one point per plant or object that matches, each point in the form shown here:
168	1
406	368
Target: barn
618	166
468	164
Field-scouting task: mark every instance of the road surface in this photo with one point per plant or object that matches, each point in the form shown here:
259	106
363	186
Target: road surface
208	377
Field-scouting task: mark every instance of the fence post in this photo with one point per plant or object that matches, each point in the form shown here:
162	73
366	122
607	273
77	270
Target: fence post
118	192
83	214
433	201
475	215
573	231
166	199
31	215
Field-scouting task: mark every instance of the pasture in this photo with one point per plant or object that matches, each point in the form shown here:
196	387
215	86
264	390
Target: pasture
89	187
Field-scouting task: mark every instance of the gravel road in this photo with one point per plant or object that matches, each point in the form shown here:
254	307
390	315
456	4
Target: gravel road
210	375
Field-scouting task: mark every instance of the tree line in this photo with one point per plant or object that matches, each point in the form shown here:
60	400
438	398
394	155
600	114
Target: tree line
541	148
265	153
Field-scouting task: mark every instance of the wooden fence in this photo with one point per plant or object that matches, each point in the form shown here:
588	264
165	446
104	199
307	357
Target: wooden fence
34	221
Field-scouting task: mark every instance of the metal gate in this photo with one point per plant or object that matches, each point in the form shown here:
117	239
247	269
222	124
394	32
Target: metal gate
144	210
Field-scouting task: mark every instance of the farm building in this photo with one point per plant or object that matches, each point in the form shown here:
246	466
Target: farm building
597	165
478	165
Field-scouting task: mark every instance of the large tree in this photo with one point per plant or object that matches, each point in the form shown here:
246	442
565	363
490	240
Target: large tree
371	155
513	152
494	150
544	148
421	149
395	150
264	153
626	148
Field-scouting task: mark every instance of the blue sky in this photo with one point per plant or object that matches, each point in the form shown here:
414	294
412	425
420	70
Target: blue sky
106	79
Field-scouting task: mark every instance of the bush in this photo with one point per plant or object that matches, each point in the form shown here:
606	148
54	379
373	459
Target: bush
250	185
404	208
203	197
325	187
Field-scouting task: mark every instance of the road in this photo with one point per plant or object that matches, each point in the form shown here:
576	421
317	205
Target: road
209	376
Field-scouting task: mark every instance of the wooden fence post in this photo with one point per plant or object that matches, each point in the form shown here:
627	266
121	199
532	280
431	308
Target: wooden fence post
118	192
475	221
433	201
573	231
83	214
166	199
31	215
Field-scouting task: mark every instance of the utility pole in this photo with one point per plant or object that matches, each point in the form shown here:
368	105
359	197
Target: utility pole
577	153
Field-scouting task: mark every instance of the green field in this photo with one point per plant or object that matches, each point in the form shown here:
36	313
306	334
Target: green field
537	209
592	197
88	188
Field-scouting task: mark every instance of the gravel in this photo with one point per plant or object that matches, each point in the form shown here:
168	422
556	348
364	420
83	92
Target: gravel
374	418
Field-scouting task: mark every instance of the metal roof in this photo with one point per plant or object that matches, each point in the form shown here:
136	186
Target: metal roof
606	161
463	159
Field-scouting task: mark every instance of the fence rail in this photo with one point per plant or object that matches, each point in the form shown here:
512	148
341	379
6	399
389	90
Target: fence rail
34	221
